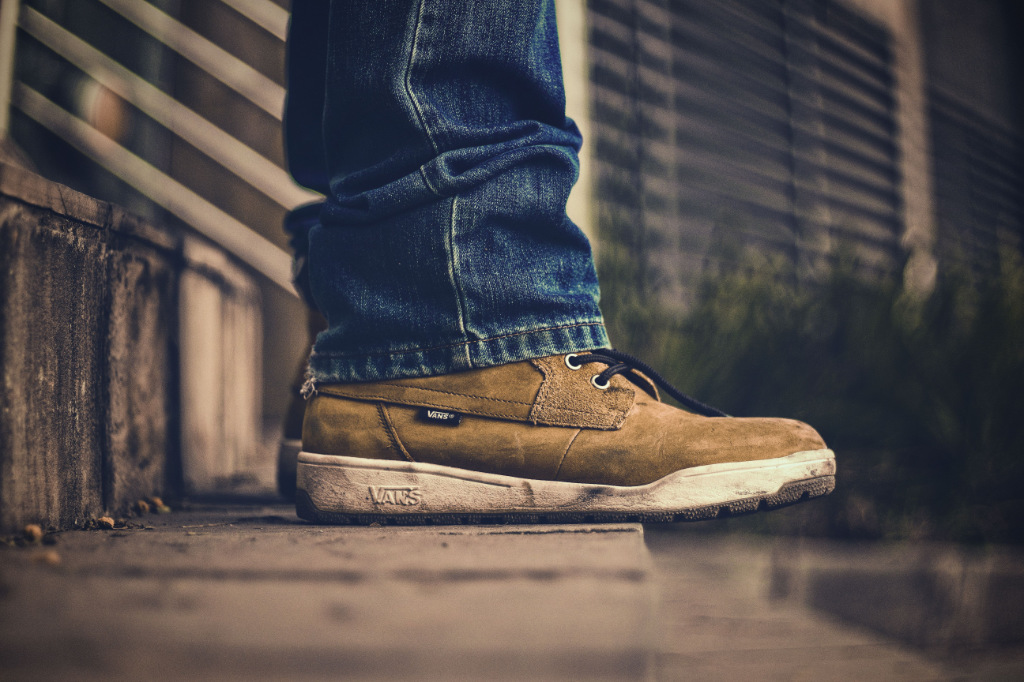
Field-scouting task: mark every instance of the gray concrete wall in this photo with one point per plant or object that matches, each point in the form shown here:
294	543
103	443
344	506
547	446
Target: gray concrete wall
87	354
91	399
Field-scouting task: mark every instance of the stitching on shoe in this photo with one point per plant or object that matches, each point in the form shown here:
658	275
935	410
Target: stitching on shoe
570	409
542	393
430	390
552	414
464	410
565	454
385	421
423	403
462	395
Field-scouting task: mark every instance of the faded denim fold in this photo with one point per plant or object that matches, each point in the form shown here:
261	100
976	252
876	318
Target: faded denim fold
437	131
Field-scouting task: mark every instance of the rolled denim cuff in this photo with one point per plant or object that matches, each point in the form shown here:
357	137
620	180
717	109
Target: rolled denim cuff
499	350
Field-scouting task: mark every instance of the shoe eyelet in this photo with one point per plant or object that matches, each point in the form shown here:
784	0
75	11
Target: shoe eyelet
601	387
568	362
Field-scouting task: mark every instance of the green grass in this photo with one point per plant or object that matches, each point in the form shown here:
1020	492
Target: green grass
920	399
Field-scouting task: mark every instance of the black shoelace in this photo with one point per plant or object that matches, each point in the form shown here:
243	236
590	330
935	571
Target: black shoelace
627	365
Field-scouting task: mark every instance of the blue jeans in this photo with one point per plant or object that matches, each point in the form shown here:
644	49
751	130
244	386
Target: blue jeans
437	131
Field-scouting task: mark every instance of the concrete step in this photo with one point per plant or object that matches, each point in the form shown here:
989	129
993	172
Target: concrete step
240	592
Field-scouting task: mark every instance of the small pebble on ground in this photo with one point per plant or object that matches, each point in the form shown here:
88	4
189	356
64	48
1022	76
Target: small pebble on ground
33	532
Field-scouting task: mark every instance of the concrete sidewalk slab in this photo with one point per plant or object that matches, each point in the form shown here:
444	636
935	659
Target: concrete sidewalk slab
938	596
239	592
719	620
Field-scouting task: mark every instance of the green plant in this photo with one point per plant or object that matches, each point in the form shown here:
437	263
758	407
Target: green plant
920	399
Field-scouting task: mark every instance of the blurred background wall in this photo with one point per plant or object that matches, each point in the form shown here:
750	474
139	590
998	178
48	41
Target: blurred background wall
807	208
802	128
814	209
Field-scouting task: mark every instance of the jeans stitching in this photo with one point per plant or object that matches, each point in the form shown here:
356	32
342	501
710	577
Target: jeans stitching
408	78
453	268
461	343
426	181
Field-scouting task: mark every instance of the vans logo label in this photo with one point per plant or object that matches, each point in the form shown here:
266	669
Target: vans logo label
407	497
435	416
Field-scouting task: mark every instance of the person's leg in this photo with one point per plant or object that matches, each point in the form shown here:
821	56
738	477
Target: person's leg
444	243
437	131
306	68
306	71
465	373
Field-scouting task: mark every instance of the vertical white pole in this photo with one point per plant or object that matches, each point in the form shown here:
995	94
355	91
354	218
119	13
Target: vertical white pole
574	46
8	31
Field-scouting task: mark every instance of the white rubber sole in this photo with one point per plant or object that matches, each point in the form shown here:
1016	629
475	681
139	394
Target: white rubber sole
338	489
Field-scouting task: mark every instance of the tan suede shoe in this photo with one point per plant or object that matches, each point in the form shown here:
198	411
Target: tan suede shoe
581	437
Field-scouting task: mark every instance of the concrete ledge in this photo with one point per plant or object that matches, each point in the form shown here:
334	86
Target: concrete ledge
87	351
89	345
237	593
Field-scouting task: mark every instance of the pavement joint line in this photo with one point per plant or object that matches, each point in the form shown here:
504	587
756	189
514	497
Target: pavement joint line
424	576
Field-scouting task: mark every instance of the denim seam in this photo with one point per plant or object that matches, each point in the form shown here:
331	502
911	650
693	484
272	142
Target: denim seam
461	343
408	78
426	181
453	267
